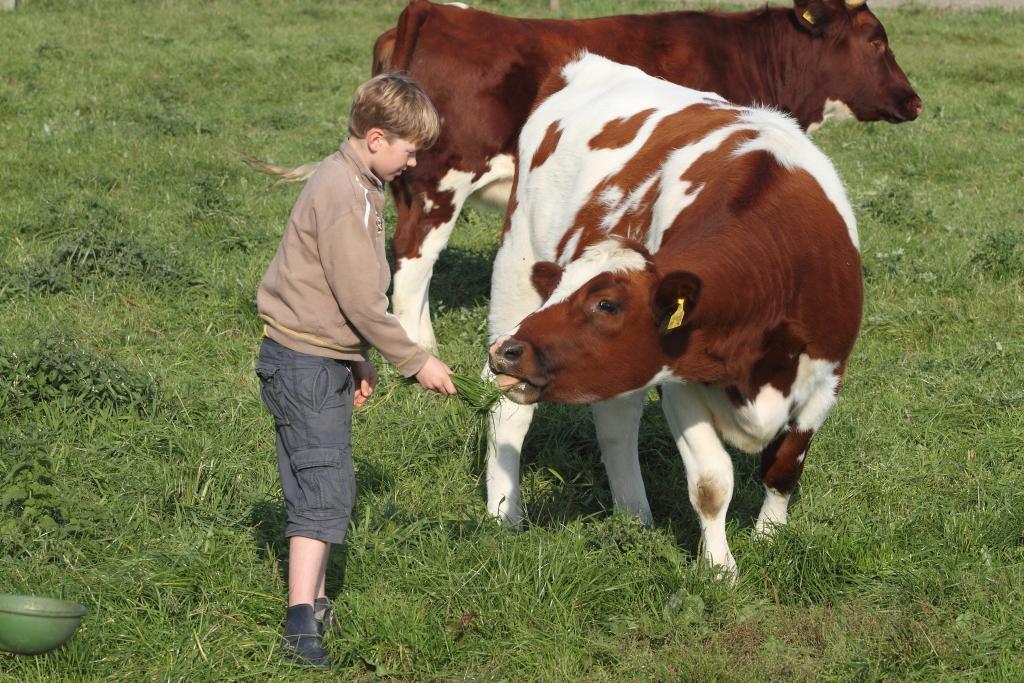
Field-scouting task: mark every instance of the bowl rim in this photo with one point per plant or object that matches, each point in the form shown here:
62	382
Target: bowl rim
40	606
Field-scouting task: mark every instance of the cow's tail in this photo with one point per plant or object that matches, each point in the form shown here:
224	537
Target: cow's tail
407	33
285	175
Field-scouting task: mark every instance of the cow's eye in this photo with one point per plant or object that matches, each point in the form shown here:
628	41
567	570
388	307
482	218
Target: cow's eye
608	306
878	44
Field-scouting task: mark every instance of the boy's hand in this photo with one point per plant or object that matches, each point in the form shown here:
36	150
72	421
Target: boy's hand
364	376
434	376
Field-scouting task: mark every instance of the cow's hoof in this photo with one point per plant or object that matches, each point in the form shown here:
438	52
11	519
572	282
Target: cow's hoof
765	529
508	519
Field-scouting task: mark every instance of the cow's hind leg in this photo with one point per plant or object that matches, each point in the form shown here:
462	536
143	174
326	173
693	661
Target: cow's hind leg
618	426
709	472
782	462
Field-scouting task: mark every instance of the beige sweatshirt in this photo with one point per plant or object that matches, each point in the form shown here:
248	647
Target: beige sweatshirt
324	291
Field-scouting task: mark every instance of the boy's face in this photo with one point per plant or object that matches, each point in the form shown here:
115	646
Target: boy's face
388	158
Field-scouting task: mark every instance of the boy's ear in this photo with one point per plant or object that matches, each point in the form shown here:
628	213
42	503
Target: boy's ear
374	136
675	298
545	277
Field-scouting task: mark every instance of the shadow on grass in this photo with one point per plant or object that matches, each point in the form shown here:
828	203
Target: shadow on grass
563	479
462	279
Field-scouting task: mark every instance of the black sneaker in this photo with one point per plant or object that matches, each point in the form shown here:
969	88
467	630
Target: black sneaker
323	613
302	641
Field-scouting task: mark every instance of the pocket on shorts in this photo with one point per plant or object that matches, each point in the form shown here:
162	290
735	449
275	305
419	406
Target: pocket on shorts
330	386
271	393
322	482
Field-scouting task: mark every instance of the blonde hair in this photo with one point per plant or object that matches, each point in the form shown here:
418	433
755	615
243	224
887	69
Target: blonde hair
397	105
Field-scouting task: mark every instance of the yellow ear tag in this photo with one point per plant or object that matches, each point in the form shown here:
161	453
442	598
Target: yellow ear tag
677	318
808	17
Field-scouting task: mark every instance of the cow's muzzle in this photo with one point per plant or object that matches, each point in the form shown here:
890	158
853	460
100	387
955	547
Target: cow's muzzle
908	110
516	365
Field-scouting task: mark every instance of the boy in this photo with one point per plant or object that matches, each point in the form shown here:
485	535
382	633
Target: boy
323	303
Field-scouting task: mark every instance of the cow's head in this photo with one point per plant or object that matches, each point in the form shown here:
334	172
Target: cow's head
610	322
860	68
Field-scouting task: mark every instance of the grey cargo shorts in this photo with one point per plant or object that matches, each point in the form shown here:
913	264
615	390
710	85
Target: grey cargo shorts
310	398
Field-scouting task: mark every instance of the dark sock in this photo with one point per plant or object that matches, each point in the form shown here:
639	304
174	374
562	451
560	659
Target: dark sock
302	637
323	612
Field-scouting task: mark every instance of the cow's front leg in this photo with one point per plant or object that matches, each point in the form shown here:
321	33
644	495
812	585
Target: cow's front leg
782	463
509	424
709	473
618	425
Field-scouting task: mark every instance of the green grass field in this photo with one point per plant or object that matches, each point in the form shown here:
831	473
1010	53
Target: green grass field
137	461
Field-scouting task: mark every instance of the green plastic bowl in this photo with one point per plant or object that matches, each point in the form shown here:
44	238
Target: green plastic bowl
30	625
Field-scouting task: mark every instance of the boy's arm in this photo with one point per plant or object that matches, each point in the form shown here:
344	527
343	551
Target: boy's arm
350	263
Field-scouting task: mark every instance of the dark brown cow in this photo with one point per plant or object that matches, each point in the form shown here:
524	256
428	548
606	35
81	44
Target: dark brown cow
660	236
818	59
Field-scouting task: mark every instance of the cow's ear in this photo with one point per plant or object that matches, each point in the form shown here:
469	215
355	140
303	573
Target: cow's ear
811	15
675	298
545	277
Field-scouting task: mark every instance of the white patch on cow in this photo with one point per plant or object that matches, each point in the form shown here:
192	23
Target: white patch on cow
630	202
460	5
494	195
754	425
774	513
495	186
607	256
513	296
764	417
610	197
666	374
460	182
428	204
570	247
781	136
836	110
814	392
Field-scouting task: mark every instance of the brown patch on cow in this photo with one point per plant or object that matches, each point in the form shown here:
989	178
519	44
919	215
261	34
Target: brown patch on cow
547	146
513	204
552	83
413	226
545	278
621	131
781	465
676	131
778	365
710	497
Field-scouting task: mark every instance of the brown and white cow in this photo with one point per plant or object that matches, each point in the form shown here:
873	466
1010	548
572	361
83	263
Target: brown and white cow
816	59
660	236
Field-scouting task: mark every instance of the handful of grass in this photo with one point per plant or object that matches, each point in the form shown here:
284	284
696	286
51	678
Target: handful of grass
478	394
